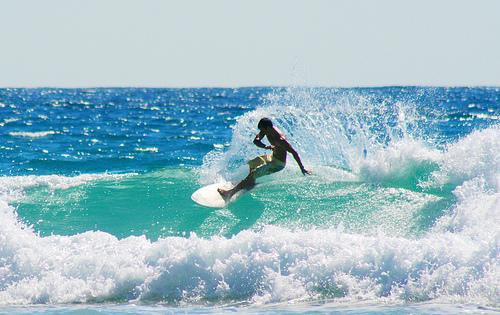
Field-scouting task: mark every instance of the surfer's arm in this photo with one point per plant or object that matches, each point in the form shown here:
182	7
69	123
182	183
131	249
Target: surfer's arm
258	141
296	156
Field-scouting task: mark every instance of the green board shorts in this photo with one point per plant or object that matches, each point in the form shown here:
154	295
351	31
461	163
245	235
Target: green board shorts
265	165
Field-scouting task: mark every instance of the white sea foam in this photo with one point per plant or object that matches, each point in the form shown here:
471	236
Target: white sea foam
150	150
456	261
9	120
268	266
36	134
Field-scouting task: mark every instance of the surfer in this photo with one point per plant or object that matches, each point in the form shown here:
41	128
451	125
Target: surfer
268	163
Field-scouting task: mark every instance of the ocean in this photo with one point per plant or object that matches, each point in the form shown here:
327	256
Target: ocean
401	214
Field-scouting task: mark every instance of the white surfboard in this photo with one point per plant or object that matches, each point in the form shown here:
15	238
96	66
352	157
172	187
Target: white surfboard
208	196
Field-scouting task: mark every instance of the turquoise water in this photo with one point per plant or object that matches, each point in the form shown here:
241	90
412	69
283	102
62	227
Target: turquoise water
401	214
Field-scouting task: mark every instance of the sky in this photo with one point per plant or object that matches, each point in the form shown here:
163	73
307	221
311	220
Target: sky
187	43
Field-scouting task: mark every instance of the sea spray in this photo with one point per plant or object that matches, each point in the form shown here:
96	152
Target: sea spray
340	129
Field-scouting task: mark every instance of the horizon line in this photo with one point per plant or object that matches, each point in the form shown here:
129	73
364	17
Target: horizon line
247	86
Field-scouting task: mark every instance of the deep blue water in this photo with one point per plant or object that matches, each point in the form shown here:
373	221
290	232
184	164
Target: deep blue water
97	130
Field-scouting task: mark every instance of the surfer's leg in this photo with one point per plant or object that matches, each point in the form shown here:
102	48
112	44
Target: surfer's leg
247	183
258	167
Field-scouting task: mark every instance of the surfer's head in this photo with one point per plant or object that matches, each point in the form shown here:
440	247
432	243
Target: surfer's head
265	123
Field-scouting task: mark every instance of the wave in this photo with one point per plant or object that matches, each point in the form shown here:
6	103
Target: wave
8	121
270	265
456	261
35	134
476	155
404	160
12	188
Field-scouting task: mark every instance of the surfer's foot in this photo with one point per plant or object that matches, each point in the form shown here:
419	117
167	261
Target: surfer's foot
224	193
